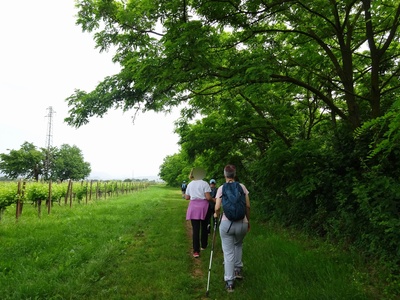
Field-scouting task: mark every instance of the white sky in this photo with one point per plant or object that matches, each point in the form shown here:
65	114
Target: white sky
44	57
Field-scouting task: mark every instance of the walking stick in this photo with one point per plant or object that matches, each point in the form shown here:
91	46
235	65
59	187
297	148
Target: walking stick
211	256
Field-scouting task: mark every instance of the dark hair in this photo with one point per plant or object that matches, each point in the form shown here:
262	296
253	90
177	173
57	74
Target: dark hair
230	171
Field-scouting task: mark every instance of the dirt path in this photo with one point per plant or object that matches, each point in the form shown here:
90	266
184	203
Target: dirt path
196	268
197	273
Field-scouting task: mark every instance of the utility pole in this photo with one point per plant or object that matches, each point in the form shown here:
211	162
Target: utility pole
49	140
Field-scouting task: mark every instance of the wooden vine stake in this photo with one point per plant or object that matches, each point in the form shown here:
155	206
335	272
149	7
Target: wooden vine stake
97	190
20	196
86	191
70	194
49	199
39	205
18	200
67	193
90	193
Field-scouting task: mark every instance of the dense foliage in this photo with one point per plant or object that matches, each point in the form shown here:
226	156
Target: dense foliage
69	164
66	162
26	162
301	95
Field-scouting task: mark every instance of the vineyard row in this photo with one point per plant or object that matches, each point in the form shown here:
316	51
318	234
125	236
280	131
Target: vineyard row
21	192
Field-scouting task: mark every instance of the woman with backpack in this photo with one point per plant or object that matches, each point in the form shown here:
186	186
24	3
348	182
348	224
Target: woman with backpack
183	189
233	197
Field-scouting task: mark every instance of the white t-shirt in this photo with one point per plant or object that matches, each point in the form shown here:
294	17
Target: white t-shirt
197	188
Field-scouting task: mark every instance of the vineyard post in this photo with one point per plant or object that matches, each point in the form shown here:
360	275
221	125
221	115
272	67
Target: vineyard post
49	199
105	190
18	200
70	194
67	193
39	205
97	190
21	204
90	194
79	200
86	191
20	196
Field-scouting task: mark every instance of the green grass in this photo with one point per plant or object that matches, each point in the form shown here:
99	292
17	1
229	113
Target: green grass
137	247
291	270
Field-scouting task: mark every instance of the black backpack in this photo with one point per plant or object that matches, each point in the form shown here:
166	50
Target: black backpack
233	201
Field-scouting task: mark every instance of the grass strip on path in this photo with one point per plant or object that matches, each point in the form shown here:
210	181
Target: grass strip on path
138	246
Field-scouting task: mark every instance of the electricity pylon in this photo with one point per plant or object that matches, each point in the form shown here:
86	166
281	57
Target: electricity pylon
49	141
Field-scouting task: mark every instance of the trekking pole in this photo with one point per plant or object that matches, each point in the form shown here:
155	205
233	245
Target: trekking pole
211	256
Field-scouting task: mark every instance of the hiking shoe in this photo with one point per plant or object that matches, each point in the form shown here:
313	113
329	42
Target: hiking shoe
238	274
229	287
196	254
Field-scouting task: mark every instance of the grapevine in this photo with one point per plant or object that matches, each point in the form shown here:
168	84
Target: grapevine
15	194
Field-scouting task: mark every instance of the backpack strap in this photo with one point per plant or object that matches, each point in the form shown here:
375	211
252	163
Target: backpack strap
229	227
230	181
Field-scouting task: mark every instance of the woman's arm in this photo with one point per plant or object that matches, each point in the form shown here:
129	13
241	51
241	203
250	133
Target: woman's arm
248	207
217	207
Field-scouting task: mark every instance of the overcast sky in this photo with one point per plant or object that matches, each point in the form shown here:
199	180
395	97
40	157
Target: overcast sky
44	57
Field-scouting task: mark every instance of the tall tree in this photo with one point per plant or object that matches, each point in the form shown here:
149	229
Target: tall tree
26	162
281	86
69	164
175	169
342	52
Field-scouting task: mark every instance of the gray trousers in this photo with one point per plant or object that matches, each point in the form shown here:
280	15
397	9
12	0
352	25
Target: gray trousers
232	246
